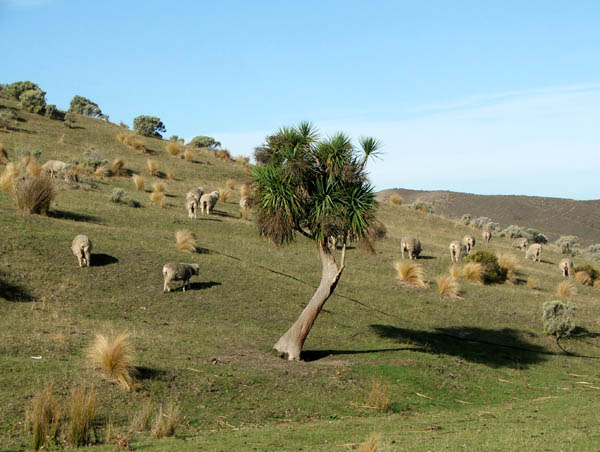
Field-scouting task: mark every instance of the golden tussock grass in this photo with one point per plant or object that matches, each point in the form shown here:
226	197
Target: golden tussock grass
159	187
244	214
3	154
247	170
223	154
158	198
139	182
139	146
141	420
82	413
173	149
43	418
395	199
509	263
229	184
152	167
118	167
34	194
113	357
379	396
9	175
101	172
170	175
121	136
410	273
166	422
448	287
242	160
371	444
33	168
532	282
61	140
244	190
597	284
188	156
584	278
455	271
185	241
566	289
223	194
473	272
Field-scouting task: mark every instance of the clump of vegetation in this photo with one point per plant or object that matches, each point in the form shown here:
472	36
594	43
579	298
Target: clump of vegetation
466	219
16	89
410	273
223	194
141	420
166	423
82	413
422	206
474	272
158	198
118	195
133	203
32	167
139	182
83	106
566	289
118	167
513	232
448	287
371	444
485	222
395	199
558	319
223	154
205	142
93	159
492	272
455	271
584	279
245	190
185	241
188	156
159	187
508	263
69	120
44	418
152	167
9	175
33	101
568	244
102	172
588	271
532	282
536	236
173	149
593	251
148	126
242	160
113	357
379	396
34	194
230	184
3	154
170	175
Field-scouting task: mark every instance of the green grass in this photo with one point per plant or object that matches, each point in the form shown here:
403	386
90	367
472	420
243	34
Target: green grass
209	349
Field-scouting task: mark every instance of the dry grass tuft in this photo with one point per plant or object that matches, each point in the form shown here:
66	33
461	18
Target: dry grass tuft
139	182
244	214
9	175
141	420
597	284
34	194
532	282
244	190
371	444
173	149
170	175
159	187
509	263
44	418
410	273
455	271
33	168
82	412
118	167
395	199
566	289
158	198
448	287
242	160
229	184
152	167
121	136
166	423
3	154
584	278
138	145
113	356
101	172
379	396
223	154
188	156
223	194
473	272
185	241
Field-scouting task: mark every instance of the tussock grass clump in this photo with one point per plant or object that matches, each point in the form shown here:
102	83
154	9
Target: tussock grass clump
242	160
44	418
230	184
448	287
185	241
141	420
223	194
371	444
117	196
223	154
113	357
159	187
166	422
244	213
139	182
188	156
138	145
32	167
121	136
589	270
395	199
158	198
170	175
101	172
173	149
597	284
532	282
379	396
34	194
152	167
9	175
492	272
584	278
410	273
473	272
455	271
82	412
118	167
508	263
566	289
244	190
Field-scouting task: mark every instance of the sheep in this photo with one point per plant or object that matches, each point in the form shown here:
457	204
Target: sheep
469	242
566	267
82	247
521	243
486	236
197	193
179	272
53	167
534	252
411	246
208	201
191	204
457	251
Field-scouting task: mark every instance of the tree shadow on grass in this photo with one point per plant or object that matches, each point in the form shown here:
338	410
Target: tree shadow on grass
64	215
495	348
14	292
148	373
100	260
315	355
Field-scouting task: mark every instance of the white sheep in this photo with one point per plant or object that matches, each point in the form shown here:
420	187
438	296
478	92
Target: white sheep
197	193
208	201
486	236
53	167
469	242
179	272
191	204
411	246
566	267
82	247
457	250
534	252
521	243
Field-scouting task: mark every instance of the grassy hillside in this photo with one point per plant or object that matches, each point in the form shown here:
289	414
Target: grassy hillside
475	373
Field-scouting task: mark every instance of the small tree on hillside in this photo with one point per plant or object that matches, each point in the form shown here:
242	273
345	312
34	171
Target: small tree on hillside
317	188
33	100
15	89
149	126
83	106
205	142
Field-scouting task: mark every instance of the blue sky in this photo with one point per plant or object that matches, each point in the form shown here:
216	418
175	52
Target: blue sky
484	97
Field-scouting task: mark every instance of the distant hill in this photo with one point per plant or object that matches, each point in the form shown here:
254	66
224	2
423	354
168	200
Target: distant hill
552	216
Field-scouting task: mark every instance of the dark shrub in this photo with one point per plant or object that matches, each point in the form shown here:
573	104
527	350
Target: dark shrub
148	126
567	244
84	106
205	142
15	89
587	268
558	318
33	100
492	273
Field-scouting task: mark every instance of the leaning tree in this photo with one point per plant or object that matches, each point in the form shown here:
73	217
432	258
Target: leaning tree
317	188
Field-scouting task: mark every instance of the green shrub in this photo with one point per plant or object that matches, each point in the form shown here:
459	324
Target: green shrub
466	219
33	101
587	268
26	151
50	111
84	106
593	251
93	159
15	89
568	244
148	126
205	142
513	232
7	118
118	195
536	236
492	273
174	138
133	203
423	206
558	318
485	222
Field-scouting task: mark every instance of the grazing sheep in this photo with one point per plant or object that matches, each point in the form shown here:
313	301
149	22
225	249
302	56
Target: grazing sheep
208	201
179	272
534	252
566	267
521	243
411	246
457	251
469	242
53	167
197	193
191	204
82	247
486	236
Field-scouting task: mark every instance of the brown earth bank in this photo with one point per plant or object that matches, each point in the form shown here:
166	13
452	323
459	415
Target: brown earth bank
551	216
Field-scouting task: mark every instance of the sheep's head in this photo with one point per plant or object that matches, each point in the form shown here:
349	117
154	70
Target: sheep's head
195	268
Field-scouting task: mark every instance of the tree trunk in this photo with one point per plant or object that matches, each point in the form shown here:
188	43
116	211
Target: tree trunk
290	344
